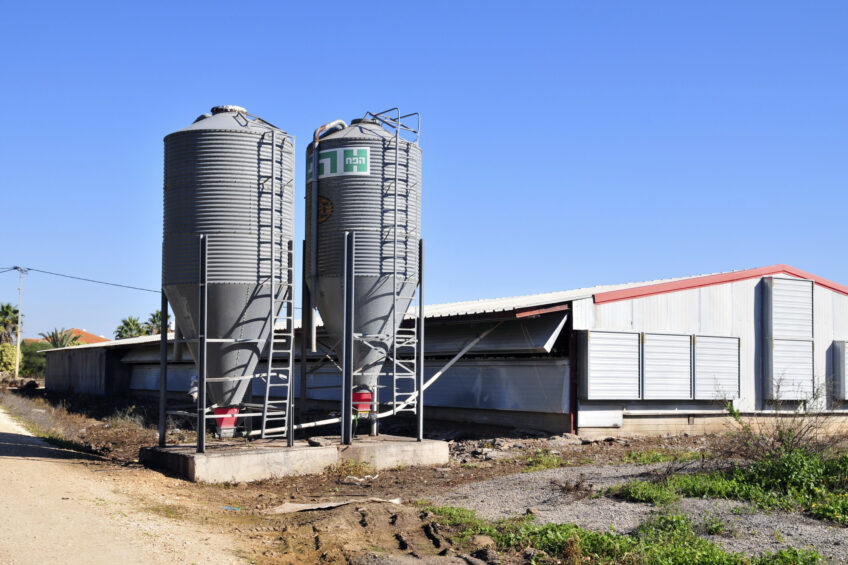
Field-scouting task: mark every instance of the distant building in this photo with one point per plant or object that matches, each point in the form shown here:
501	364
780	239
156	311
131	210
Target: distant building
85	337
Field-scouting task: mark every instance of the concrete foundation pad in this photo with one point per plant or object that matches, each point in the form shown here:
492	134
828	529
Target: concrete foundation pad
227	463
385	452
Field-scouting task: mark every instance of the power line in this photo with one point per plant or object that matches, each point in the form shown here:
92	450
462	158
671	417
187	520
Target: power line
87	280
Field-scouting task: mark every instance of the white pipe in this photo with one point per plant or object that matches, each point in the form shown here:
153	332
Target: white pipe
447	366
432	379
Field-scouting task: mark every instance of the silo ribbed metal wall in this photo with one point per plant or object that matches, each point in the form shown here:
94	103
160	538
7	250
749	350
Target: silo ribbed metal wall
212	186
365	204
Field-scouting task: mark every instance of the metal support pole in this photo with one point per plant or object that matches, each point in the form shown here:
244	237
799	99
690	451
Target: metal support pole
347	341
201	357
21	272
419	373
375	409
313	252
305	323
163	368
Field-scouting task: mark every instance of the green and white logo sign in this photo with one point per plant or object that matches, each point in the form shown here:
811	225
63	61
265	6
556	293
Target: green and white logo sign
340	162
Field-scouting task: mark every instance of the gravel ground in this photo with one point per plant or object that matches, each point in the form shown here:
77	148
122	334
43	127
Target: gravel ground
749	531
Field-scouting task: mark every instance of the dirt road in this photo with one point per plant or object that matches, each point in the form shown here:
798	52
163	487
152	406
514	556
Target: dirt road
58	508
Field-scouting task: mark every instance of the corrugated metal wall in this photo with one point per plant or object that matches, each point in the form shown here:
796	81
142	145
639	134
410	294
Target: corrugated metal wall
82	371
734	310
527	385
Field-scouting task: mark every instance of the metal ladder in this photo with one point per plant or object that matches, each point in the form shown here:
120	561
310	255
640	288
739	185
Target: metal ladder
279	375
404	370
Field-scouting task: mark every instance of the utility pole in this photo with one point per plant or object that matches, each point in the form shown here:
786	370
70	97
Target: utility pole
21	272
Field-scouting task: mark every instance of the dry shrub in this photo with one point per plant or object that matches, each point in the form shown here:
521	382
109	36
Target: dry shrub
578	488
788	426
572	553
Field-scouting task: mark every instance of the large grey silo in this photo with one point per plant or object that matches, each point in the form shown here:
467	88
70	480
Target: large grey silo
218	182
359	196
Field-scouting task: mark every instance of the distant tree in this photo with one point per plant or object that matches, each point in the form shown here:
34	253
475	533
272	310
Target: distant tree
32	359
130	327
8	352
154	323
8	323
61	338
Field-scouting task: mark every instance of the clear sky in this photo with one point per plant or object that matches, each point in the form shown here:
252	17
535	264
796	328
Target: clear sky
566	144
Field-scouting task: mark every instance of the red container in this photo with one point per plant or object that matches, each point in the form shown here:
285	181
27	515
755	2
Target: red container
362	401
229	419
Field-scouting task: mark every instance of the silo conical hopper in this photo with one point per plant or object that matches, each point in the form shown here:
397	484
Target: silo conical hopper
356	193
222	174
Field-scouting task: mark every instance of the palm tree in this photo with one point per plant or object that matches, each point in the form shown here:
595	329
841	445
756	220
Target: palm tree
154	323
8	322
61	338
130	327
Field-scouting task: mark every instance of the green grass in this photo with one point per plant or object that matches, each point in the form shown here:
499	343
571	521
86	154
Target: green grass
666	539
171	511
659	493
794	480
543	459
717	526
649	456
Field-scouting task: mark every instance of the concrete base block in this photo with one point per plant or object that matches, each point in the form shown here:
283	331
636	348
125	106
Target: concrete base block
234	464
385	452
239	464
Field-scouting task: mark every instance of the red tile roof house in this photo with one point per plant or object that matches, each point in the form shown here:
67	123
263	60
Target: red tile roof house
84	337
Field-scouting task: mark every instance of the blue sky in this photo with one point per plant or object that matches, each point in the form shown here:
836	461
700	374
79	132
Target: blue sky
565	144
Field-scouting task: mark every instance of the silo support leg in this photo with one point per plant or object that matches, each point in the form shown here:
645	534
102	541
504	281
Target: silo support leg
163	368
306	323
419	376
201	357
347	361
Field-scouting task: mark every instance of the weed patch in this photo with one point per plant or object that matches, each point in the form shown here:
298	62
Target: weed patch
658	493
646	457
351	468
667	539
795	480
543	459
171	511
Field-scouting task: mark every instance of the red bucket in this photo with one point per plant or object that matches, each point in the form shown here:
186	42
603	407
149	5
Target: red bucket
226	417
362	402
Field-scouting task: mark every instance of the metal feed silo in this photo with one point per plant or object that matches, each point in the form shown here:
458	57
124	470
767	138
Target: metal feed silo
228	176
361	190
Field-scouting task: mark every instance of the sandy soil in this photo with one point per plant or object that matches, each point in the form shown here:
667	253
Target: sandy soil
59	506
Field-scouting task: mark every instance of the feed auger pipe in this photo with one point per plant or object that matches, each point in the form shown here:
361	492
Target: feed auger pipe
313	271
432	379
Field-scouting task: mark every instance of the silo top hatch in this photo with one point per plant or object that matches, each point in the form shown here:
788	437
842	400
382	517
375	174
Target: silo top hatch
228	118
361	128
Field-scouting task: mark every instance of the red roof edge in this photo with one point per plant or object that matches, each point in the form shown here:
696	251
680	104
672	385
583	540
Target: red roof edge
709	280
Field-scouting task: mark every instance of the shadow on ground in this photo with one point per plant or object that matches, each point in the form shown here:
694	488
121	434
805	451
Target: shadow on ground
28	447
